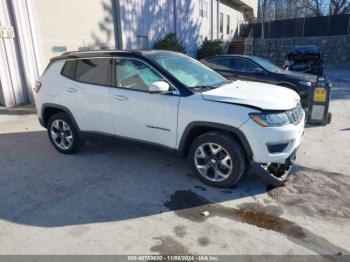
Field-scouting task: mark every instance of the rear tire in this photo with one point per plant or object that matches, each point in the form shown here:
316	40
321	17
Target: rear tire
217	159
63	134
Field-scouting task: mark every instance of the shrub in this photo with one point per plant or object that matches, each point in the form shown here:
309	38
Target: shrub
210	48
170	42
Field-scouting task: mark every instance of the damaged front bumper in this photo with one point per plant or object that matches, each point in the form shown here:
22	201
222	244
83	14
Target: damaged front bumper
274	173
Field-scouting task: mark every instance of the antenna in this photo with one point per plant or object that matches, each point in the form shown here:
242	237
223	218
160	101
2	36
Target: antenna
85	49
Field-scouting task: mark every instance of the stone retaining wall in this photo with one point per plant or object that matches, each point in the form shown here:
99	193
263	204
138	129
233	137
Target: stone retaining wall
335	48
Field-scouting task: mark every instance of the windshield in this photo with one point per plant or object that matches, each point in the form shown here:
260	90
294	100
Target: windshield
267	64
190	72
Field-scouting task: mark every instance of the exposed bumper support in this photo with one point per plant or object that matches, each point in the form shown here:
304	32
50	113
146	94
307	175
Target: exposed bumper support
273	173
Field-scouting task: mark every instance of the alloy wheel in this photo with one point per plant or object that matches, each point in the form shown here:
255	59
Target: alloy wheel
61	134
213	162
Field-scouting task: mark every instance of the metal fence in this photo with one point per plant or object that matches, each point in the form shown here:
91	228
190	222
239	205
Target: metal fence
300	27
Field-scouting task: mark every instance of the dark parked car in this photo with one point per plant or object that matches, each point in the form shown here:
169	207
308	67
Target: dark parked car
306	59
253	68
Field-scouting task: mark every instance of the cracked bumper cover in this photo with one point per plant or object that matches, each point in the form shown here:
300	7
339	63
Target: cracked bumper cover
260	138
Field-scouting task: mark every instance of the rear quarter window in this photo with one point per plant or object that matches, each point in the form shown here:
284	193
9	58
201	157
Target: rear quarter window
69	69
97	71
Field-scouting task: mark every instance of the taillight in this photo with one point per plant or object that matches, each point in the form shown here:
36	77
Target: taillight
37	86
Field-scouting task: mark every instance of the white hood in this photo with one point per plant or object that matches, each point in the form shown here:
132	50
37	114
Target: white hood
260	95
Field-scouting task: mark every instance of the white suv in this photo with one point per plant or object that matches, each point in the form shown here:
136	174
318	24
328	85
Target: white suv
170	100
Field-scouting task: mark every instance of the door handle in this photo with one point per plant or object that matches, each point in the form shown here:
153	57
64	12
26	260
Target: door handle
71	90
120	98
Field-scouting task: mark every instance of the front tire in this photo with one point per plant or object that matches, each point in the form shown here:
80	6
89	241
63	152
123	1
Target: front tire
217	159
62	133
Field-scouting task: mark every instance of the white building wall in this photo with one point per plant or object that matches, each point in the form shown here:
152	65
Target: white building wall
215	19
43	25
204	23
236	19
148	19
253	4
13	81
30	48
74	25
152	20
188	24
161	20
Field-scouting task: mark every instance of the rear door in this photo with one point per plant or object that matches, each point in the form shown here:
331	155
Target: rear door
138	114
86	93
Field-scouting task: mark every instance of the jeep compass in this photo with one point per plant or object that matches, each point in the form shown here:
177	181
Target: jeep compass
170	100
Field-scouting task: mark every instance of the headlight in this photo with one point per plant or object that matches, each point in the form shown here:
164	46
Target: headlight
305	83
270	119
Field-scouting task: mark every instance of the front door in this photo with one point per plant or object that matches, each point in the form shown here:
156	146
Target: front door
138	114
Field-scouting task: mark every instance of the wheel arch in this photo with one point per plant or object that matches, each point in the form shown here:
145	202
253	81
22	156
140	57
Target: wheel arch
195	129
48	110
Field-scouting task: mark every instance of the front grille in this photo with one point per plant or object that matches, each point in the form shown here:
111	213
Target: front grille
296	115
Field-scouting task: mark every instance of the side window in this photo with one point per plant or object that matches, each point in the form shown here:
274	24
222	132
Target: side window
96	71
203	8
221	22
243	65
228	25
136	75
223	63
69	69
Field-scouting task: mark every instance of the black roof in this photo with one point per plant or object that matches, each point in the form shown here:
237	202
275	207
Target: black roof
233	55
111	53
147	54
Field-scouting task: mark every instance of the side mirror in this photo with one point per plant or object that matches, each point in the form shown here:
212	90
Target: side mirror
159	87
258	71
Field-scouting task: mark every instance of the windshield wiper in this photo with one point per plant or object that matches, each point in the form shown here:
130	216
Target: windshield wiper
209	87
206	87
